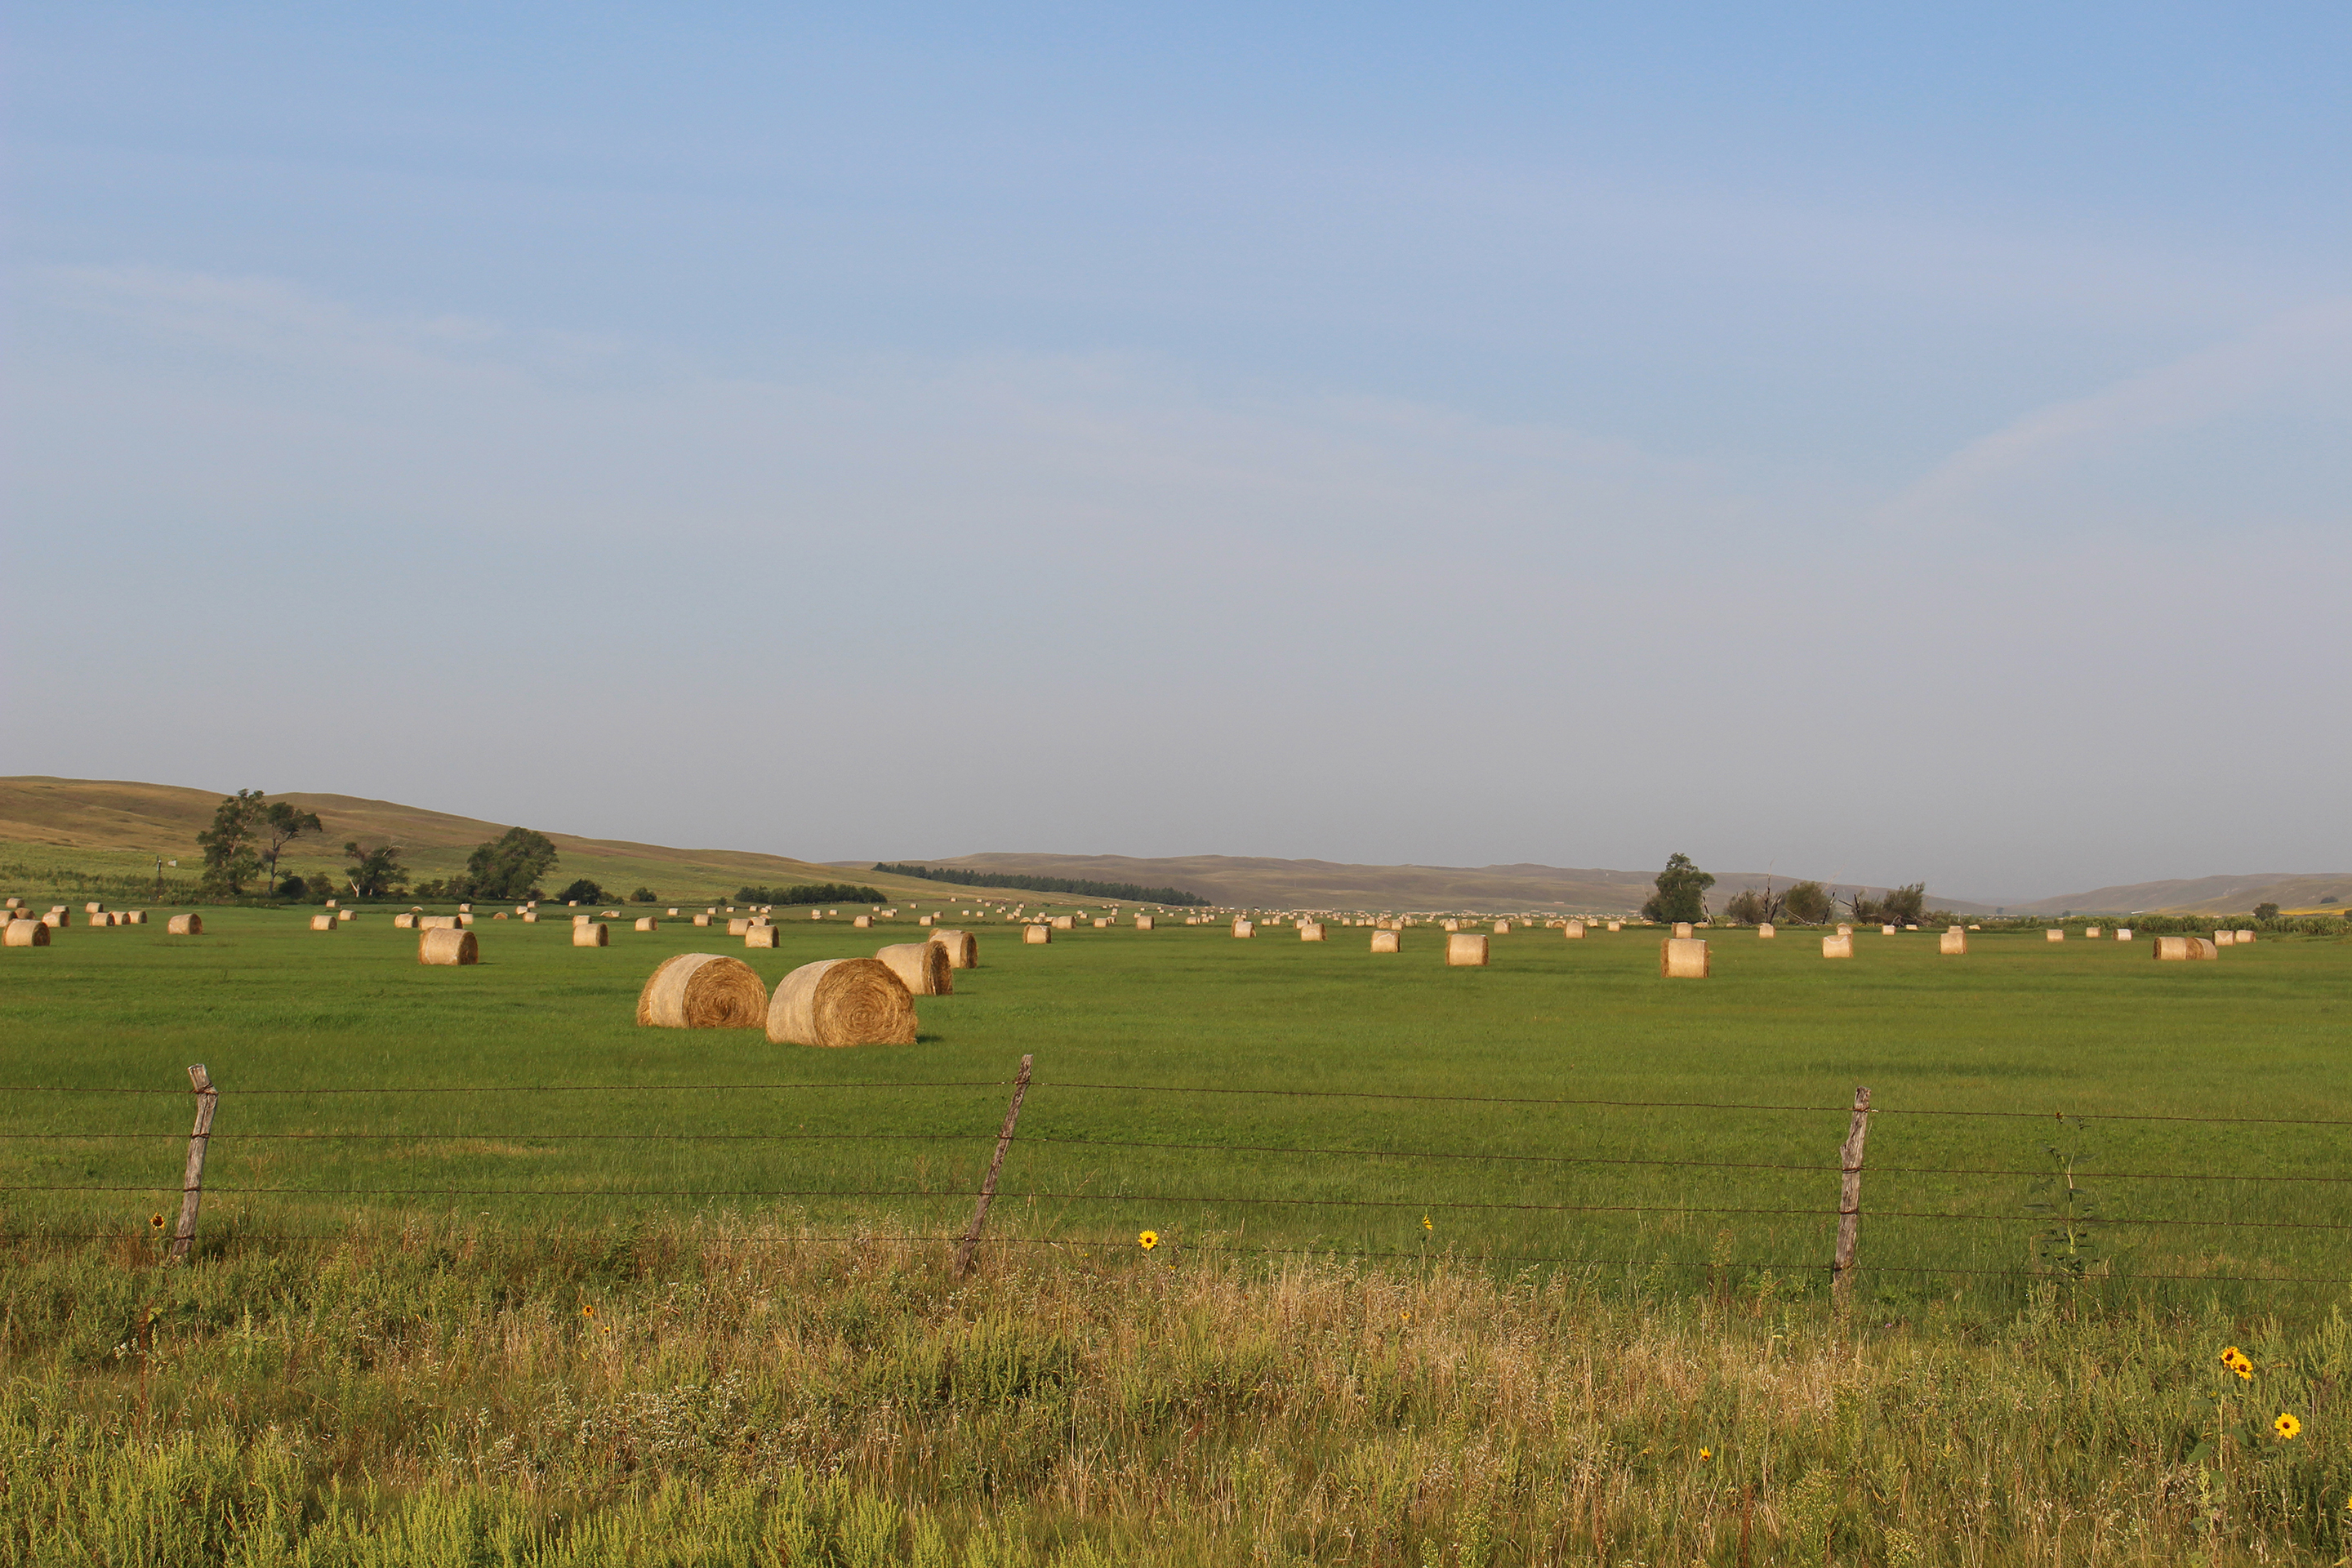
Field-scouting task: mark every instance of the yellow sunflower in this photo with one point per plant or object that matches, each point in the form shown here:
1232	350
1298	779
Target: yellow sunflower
1704	1454
156	1220
2287	1427
1148	1240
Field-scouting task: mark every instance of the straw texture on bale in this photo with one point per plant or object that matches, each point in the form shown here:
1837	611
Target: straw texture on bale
738	926
1683	958
1385	942
761	934
322	923
25	933
961	947
1143	922
2243	936
1953	942
464	921
57	919
1839	946
1245	927
437	922
702	920
595	934
863	921
1063	922
2221	938
1682	930
648	923
2054	934
1573	931
139	917
92	909
921	967
703	991
1453	925
1466	949
1036	936
839	1002
184	925
448	944
582	919
1310	931
2176	949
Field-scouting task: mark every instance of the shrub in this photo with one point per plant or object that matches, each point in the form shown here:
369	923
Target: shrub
583	890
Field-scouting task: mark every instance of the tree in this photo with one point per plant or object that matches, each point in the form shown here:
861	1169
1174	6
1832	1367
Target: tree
377	873
510	866
227	845
278	824
1756	907
2265	912
583	891
644	896
1807	903
1681	893
1900	907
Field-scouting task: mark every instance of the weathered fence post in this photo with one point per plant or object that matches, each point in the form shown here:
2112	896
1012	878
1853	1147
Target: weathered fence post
996	1163
192	1182
1850	1197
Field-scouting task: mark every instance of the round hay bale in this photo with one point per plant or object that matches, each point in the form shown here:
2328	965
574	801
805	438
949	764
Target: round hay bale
139	917
582	919
761	934
1143	922
92	909
1502	928
1682	931
672	913
864	922
1573	931
1453	925
2054	934
921	967
184	925
1845	931
1886	930
501	915
24	933
702	920
1036	936
703	991
1953	943
839	1002
531	917
462	909
1839	946
14	904
593	934
1102	922
1466	949
448	944
738	926
608	914
1310	931
960	946
2183	949
351	914
1616	925
2091	933
437	922
1385	942
1244	929
648	923
57	920
324	922
2244	936
922	920
1063	922
465	922
1683	958
2221	938
1766	931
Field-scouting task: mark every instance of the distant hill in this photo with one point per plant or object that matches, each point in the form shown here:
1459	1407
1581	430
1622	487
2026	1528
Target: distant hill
2202	895
113	826
1252	883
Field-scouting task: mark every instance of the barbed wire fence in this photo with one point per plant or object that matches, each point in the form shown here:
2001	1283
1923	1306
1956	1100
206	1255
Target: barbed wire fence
1840	1266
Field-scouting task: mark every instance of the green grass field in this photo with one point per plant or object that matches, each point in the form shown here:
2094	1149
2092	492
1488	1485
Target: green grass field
2093	1030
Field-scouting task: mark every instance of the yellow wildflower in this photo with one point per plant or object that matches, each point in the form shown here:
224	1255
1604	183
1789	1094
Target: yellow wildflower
155	1220
1704	1454
1148	1240
2287	1426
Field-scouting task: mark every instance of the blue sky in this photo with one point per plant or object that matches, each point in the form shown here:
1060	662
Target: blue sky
1874	444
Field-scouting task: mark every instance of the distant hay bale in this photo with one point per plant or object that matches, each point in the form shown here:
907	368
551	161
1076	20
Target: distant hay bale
502	915
531	917
648	923
1845	931
1573	931
1244	929
673	914
1466	949
608	914
322	923
92	909
2054	934
184	925
2221	938
863	921
702	920
1385	942
1453	925
595	934
841	1002
462	909
354	914
702	990
465	921
582	919
1683	958
1954	943
139	917
1838	946
2244	936
437	922
738	926
1616	925
2091	933
961	947
1310	931
24	933
2180	948
1886	930
921	967
57	920
1682	931
1063	922
1102	922
1036	936
1502	928
448	944
14	904
1766	928
922	920
760	933
1143	922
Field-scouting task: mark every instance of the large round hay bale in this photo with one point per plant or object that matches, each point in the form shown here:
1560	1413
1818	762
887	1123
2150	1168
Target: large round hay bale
1310	931
324	922
1839	946
738	926
448	944
960	946
1954	942
92	909
1683	958
1466	949
465	922
1572	930
1143	922
1036	936
184	925
921	967
593	934
1244	929
761	934
841	1002
354	914
1385	942
2178	949
702	920
1502	928
1063	922
703	991
24	933
648	923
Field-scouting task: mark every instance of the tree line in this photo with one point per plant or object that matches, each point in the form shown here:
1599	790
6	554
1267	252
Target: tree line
1681	896
811	893
251	833
1124	892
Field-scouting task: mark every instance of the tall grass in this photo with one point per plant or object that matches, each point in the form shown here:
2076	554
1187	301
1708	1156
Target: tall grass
727	1392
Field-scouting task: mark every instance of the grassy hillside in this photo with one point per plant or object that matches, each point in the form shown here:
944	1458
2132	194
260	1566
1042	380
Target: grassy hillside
2205	895
115	829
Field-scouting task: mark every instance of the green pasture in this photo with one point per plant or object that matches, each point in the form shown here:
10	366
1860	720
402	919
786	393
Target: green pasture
2092	1030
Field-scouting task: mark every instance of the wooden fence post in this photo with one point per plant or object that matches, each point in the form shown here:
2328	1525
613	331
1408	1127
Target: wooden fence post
192	1182
1850	1197
996	1163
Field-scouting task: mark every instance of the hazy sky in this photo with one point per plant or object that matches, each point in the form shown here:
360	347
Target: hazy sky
1865	442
